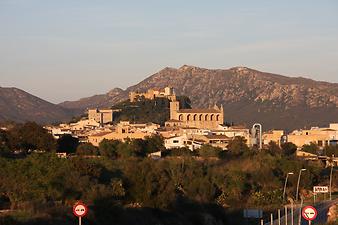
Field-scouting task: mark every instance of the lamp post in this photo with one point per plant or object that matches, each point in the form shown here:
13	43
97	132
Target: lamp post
300	172
331	182
286	181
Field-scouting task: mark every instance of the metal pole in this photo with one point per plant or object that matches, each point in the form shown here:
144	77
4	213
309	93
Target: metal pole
279	217
286	215
300	212
271	219
262	222
300	172
79	220
291	213
286	180
331	182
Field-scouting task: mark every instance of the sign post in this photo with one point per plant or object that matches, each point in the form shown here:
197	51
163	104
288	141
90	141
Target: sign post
320	189
309	213
80	210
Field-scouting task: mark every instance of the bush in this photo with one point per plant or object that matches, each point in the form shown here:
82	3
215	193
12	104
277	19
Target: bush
67	143
87	149
311	148
289	148
209	151
238	146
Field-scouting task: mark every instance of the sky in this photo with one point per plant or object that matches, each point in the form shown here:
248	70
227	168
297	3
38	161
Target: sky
68	49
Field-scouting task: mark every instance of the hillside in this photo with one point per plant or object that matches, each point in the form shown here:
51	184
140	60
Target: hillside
247	95
19	106
145	110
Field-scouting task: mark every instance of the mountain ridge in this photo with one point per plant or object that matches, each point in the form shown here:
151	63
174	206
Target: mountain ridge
20	106
248	95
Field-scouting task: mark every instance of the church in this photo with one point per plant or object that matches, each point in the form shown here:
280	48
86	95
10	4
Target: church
209	118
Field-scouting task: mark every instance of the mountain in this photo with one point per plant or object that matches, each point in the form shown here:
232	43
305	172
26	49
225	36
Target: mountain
248	95
20	106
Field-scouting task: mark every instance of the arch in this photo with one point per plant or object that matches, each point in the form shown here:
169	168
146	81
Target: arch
200	117
212	117
195	117
217	117
206	117
188	117
180	117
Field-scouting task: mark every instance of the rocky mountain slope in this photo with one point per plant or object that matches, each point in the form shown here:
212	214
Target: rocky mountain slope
247	95
17	105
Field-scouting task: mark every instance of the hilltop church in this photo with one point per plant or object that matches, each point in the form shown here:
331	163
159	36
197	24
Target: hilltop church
209	118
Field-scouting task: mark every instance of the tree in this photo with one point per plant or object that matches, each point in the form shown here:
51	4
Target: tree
274	149
86	149
289	148
31	136
184	151
67	143
108	148
238	146
311	148
331	150
154	143
4	149
126	150
209	151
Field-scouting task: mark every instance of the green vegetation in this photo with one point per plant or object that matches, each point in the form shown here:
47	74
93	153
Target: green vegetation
311	148
123	186
145	110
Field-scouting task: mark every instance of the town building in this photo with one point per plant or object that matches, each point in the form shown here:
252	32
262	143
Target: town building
180	142
209	118
319	136
124	130
168	93
273	136
101	116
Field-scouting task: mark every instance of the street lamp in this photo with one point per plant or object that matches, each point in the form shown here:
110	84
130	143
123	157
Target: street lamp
286	181
300	172
331	182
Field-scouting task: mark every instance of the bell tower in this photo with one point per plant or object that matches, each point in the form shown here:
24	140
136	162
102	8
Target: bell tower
174	107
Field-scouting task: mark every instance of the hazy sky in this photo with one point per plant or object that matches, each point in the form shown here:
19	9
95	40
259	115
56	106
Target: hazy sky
66	49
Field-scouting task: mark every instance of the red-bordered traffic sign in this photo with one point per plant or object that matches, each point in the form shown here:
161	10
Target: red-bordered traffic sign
309	213
80	209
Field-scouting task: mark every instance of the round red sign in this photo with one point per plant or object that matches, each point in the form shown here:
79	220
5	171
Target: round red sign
80	209
309	213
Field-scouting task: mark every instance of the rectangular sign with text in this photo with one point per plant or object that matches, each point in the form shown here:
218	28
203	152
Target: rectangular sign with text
320	189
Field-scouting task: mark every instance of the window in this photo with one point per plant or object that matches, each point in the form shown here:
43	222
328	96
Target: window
320	143
180	117
175	141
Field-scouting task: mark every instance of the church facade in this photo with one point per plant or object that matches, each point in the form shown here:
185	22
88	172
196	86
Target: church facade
209	118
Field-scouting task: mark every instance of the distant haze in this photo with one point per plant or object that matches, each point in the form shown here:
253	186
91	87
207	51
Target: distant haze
68	49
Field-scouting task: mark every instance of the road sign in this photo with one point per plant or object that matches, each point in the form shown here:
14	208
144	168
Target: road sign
320	189
253	213
309	213
80	209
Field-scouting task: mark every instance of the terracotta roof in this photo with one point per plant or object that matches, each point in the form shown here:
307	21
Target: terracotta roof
173	121
101	134
328	129
223	137
198	111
